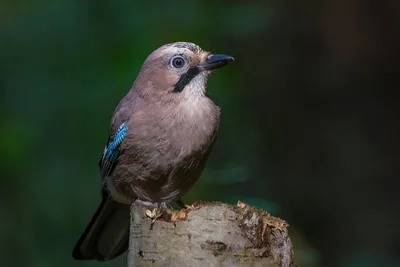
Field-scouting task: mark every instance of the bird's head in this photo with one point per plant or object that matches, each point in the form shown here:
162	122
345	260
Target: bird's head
179	68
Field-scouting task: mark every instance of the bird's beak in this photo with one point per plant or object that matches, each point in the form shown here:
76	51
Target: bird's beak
215	61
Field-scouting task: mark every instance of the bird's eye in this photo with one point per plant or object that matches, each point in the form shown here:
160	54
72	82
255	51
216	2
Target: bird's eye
178	62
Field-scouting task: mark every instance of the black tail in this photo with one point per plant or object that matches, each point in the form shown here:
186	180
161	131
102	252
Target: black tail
107	235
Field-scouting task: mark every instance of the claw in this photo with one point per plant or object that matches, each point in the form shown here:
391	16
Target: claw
154	214
184	206
161	210
155	210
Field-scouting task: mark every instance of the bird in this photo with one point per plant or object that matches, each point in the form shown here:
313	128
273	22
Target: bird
160	136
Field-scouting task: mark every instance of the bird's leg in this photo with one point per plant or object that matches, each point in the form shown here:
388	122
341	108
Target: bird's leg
182	205
151	205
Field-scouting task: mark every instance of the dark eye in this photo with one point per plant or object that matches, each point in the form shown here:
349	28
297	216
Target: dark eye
178	62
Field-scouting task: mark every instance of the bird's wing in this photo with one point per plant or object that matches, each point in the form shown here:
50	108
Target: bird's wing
112	151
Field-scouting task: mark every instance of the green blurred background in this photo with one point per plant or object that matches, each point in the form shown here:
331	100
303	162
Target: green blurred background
310	117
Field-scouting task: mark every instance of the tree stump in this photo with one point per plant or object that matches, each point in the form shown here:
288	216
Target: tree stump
211	234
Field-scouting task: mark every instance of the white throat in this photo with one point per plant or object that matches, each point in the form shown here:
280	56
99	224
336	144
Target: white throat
196	87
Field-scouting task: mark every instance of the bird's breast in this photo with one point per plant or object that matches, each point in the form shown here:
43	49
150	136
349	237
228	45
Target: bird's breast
165	151
194	124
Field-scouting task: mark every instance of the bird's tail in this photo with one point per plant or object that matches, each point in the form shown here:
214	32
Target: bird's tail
107	235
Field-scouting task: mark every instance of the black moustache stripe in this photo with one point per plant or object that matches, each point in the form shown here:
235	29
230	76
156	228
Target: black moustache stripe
185	79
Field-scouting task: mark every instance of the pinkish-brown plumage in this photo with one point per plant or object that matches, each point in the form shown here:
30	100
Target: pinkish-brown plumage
170	126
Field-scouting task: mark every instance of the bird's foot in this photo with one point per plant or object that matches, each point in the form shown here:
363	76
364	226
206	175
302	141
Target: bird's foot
184	206
154	214
162	211
155	210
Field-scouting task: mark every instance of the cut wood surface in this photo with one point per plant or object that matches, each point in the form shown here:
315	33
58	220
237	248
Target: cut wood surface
211	234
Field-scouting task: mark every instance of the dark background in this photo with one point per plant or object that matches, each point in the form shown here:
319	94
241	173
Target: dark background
309	130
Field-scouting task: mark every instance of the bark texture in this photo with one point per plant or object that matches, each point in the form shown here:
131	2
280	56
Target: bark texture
213	234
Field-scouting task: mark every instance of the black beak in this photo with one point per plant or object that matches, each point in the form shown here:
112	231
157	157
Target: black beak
215	61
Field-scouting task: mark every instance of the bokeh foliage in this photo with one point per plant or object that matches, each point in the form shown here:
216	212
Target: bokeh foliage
309	125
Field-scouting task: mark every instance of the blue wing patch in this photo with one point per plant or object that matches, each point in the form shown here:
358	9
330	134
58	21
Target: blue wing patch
111	151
